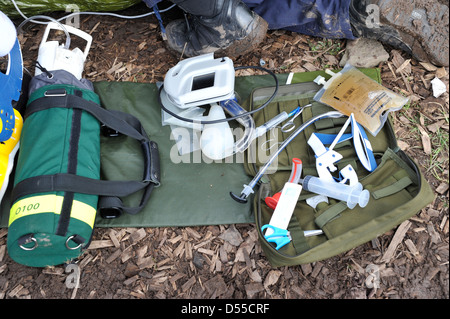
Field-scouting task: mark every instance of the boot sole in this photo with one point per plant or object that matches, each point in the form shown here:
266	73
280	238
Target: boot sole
248	43
238	47
423	25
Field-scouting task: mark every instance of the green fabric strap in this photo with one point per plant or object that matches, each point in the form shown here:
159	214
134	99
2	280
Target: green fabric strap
330	214
403	181
298	238
400	184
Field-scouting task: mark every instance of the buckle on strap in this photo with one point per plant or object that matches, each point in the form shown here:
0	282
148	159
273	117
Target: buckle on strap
55	92
109	132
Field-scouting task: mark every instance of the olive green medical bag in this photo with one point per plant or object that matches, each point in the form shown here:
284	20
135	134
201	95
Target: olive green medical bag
57	187
397	188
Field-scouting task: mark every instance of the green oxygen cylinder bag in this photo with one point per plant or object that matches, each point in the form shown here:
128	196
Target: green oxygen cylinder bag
57	187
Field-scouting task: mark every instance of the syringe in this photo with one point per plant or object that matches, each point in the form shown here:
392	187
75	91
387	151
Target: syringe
260	130
351	194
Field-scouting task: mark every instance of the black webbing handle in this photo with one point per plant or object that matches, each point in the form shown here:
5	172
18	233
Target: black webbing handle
109	191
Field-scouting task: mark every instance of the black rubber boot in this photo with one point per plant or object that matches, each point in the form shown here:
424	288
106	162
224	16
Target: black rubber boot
227	27
418	27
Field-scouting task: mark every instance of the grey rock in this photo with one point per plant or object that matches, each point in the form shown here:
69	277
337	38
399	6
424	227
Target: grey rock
364	53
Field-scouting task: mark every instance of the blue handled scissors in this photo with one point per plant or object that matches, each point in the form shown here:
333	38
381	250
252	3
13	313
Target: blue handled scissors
289	125
282	237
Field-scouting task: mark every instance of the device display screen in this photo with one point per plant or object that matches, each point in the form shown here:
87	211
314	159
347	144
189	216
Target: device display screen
203	81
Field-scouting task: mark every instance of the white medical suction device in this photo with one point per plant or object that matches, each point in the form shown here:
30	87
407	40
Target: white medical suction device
200	80
204	81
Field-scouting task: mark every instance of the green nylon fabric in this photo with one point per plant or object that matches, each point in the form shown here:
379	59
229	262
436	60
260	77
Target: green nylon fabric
399	190
190	194
44	150
322	249
42	226
197	193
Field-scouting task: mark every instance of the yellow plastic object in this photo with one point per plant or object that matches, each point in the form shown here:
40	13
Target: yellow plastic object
8	150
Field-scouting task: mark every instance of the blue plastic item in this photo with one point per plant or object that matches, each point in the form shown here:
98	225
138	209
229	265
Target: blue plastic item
10	87
282	237
279	236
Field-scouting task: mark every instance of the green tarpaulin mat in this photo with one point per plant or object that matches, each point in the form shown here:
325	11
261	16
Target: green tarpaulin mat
194	191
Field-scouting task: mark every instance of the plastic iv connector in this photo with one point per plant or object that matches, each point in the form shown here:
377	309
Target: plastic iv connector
248	189
352	195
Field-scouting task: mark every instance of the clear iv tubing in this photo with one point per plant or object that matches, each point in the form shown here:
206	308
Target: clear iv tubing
68	39
251	132
58	21
234	109
248	189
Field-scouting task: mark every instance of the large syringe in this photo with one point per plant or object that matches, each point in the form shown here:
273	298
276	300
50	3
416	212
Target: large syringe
352	195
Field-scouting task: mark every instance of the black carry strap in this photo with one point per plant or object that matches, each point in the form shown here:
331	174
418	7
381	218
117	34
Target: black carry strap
110	205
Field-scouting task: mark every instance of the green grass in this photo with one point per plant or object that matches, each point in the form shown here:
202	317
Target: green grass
332	47
438	161
439	157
